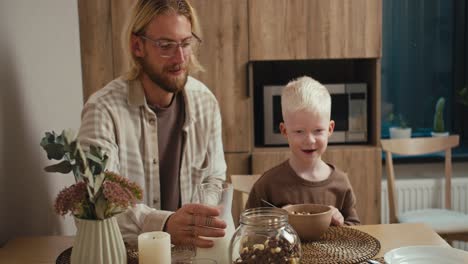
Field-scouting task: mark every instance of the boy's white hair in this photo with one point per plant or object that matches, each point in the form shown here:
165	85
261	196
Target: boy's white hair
305	93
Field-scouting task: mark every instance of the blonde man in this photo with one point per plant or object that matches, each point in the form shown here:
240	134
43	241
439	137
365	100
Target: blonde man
305	177
160	127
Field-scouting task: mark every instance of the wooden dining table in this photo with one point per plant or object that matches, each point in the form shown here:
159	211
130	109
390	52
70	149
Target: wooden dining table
45	249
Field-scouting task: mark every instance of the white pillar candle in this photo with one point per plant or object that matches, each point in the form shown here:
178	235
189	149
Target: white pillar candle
154	248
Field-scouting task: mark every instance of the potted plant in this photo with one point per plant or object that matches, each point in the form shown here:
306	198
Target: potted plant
399	128
438	129
96	197
463	96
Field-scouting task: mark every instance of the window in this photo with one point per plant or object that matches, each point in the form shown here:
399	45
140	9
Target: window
425	57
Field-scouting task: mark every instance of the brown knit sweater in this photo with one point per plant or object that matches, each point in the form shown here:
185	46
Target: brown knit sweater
282	186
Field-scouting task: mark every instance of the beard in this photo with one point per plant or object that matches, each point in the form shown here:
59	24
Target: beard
167	83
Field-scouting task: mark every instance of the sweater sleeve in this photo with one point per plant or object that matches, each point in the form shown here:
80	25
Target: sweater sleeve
141	219
349	209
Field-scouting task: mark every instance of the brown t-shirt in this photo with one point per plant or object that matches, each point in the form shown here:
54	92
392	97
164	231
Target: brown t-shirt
282	186
170	122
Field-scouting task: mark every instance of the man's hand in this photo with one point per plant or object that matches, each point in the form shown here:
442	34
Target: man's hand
337	217
191	221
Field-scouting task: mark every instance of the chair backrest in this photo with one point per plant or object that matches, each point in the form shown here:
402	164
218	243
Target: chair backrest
417	146
244	183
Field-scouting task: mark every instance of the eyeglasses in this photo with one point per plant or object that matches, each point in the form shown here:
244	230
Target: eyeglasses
168	48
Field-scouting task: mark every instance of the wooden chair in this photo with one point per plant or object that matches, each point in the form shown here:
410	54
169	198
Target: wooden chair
242	184
449	224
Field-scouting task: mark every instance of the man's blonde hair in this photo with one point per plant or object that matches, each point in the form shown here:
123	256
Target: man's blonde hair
307	94
143	12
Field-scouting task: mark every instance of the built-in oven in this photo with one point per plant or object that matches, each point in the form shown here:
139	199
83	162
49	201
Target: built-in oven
349	111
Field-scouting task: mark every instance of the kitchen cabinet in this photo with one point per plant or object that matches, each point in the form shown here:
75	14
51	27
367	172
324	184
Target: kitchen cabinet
314	29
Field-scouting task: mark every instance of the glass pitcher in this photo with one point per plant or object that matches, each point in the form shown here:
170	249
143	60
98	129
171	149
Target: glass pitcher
219	194
264	236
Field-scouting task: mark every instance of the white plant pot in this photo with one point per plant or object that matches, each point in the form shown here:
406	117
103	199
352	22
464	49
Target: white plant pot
99	242
440	134
398	132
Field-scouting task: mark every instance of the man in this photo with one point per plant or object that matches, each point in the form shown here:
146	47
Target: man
160	127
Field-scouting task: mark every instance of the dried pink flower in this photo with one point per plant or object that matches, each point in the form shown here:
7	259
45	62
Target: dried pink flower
137	192
71	199
117	194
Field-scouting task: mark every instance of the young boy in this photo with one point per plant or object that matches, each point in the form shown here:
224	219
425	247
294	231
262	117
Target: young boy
305	177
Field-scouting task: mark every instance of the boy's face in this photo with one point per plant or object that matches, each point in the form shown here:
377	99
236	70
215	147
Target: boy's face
307	134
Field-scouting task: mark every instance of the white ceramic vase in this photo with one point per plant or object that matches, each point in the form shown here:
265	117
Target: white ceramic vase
98	242
439	134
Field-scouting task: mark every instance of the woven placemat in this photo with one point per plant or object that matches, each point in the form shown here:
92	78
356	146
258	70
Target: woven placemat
178	253
64	257
341	245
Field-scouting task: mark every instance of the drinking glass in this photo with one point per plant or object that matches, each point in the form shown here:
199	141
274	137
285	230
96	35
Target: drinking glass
217	193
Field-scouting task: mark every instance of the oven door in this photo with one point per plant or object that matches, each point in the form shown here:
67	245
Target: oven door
339	112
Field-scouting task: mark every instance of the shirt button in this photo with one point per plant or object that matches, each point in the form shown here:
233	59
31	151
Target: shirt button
152	121
155	161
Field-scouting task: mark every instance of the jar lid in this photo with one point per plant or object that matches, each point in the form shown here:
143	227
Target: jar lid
264	216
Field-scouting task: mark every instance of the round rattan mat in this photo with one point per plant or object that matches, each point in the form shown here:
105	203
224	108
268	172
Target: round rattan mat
341	245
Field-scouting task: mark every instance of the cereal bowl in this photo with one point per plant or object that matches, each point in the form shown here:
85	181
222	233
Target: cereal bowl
309	220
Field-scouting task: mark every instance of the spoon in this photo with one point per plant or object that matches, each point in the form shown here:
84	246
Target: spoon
270	204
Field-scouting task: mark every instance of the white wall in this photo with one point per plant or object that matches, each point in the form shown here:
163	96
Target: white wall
41	90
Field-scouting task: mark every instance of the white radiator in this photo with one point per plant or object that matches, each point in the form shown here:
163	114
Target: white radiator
426	193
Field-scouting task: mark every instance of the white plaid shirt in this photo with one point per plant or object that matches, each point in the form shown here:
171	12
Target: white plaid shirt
118	119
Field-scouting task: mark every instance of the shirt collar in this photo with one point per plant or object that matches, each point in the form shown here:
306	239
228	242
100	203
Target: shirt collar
136	97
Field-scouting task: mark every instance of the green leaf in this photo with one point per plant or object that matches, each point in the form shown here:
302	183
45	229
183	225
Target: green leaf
90	179
60	140
95	151
98	180
93	158
101	207
47	139
54	151
69	136
62	167
77	173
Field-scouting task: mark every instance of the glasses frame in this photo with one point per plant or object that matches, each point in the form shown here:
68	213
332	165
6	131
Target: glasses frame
178	44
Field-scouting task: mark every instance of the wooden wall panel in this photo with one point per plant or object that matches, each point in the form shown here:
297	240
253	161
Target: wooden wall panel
120	11
224	54
237	163
362	164
96	44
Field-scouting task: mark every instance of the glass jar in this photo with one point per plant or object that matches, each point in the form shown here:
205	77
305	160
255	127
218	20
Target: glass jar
264	236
